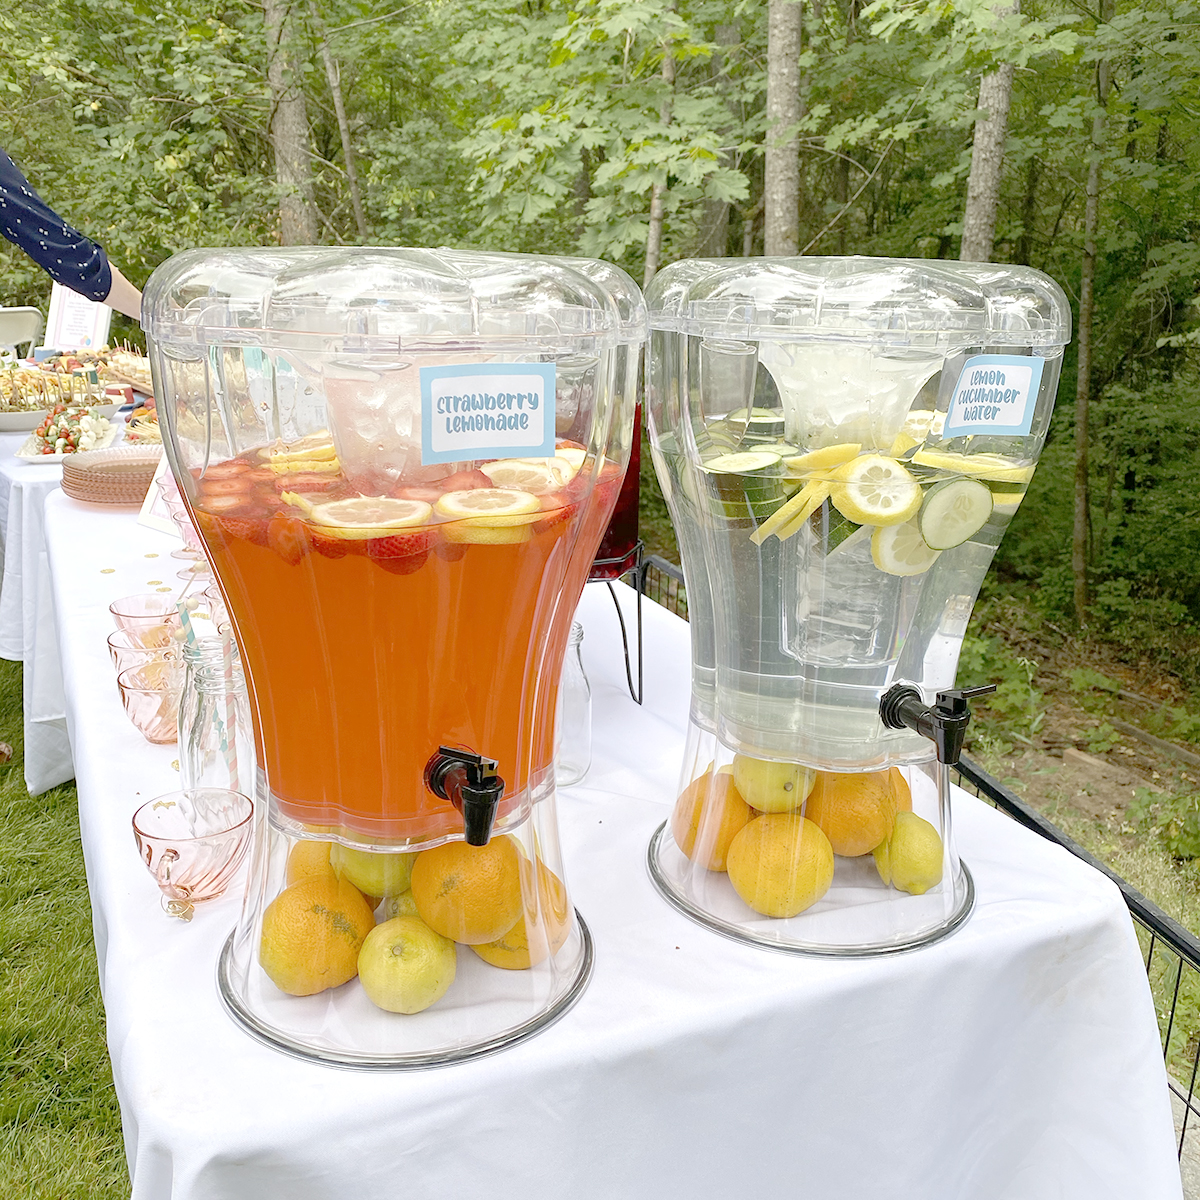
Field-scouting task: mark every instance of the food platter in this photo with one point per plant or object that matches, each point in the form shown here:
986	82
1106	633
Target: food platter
30	453
22	422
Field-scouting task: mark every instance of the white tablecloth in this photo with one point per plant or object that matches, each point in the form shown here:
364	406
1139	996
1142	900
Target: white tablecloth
1017	1060
26	613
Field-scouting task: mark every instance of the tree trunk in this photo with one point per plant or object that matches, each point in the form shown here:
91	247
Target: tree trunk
1024	250
654	235
713	241
333	75
289	134
1083	382
781	191
987	158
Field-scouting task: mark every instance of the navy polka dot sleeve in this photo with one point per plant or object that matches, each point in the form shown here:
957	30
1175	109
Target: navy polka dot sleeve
63	253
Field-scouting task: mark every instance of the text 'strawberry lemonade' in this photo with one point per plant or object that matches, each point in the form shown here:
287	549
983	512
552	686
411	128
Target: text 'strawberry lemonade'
401	464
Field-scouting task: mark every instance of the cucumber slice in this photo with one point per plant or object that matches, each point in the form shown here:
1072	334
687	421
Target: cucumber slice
830	527
954	511
901	550
758	424
748	483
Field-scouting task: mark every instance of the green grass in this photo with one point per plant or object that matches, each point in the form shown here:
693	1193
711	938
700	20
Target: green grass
60	1128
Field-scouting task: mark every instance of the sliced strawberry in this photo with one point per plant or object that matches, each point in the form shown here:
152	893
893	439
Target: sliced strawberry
305	483
244	529
451	551
227	504
288	538
223	470
396	546
260	475
427	495
404	565
326	544
461	481
564	444
268	500
226	486
556	518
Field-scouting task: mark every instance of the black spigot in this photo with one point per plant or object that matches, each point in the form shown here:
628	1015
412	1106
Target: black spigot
469	781
945	723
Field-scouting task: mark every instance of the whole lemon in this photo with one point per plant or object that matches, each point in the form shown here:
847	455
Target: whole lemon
471	894
911	859
537	934
373	873
771	787
404	966
854	810
402	905
707	815
311	935
780	864
308	857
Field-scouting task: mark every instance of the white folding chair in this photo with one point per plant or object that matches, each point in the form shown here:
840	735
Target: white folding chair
19	326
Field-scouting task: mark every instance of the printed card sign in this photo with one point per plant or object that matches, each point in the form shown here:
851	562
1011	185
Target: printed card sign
487	410
996	393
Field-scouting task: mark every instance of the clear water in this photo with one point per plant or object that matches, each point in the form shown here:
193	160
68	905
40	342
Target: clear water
793	646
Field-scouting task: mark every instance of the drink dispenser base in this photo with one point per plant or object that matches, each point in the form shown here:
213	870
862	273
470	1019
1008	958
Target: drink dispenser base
401	464
842	443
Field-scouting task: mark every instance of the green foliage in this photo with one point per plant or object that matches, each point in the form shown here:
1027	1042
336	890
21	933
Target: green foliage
1172	817
60	1127
1015	710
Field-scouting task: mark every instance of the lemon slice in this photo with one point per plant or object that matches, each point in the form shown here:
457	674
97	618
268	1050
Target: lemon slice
901	550
534	475
365	516
824	459
875	490
490	506
572	455
305	466
982	466
794	512
315	446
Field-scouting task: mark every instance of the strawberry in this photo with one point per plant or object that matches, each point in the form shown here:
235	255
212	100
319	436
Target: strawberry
451	551
288	538
304	483
327	544
402	553
225	486
223	470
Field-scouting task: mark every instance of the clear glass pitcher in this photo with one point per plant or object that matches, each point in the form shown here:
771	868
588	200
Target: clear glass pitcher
841	443
401	463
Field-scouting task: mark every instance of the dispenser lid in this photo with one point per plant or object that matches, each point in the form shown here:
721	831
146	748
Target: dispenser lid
915	302
368	296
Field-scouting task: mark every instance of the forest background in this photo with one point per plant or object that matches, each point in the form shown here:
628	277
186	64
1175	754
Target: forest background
644	131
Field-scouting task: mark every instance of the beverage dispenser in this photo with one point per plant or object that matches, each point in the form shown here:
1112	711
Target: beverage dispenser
842	443
401	463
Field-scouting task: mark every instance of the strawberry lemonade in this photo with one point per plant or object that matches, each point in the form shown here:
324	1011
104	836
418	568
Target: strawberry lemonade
377	628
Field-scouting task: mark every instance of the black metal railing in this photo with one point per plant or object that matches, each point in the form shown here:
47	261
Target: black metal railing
1172	953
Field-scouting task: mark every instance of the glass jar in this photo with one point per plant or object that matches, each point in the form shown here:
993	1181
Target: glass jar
216	738
573	741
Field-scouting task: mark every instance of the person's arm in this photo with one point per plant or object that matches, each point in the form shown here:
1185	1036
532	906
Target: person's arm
123	296
64	253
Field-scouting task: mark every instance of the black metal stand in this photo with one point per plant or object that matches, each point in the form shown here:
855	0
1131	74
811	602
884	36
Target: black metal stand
628	564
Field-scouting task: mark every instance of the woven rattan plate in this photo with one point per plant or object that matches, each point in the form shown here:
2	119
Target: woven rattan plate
121	475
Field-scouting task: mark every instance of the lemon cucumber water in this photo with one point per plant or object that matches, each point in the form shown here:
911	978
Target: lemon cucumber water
831	573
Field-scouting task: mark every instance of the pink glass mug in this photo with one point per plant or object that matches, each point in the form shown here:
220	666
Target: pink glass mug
192	842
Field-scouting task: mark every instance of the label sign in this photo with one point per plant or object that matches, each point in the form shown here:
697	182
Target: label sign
487	410
996	393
